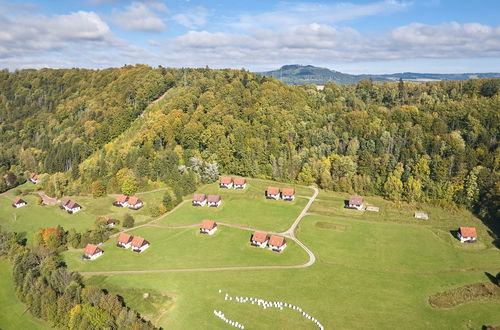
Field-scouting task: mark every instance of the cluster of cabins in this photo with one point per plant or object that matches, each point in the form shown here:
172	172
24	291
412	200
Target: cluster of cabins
125	241
287	194
210	200
236	183
133	202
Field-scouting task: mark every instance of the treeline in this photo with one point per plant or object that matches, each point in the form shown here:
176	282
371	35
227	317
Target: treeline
53	293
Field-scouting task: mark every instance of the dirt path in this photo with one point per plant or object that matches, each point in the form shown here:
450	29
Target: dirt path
46	199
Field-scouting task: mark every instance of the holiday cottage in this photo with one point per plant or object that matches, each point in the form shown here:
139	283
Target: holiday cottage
273	193
226	182
277	243
208	227
214	200
421	215
92	252
111	222
288	194
34	178
124	240
199	200
240	183
355	202
467	234
121	201
259	239
139	244
70	206
18	202
134	203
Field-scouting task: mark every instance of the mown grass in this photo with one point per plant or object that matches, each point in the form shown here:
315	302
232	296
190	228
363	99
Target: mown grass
12	311
187	248
247	207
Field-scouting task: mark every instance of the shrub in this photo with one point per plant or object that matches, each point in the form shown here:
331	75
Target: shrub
128	221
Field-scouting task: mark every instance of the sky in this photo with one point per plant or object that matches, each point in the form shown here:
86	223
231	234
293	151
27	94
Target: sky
353	36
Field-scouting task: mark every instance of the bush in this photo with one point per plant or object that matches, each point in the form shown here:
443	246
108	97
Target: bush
128	221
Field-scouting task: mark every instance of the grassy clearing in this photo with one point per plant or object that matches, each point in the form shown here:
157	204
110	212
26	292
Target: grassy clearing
247	207
32	217
187	248
12	315
466	294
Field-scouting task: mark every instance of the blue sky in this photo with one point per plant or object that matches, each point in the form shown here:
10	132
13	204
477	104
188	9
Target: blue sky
357	36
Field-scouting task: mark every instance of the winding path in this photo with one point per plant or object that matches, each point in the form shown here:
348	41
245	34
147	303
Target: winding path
289	233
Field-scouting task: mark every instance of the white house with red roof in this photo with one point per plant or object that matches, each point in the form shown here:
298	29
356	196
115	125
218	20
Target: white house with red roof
124	240
239	183
214	200
273	193
259	239
288	194
139	244
355	202
18	202
277	243
121	201
92	252
134	203
208	227
226	182
467	234
34	178
199	200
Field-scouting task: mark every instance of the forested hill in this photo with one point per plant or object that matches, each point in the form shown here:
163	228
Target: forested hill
434	142
308	74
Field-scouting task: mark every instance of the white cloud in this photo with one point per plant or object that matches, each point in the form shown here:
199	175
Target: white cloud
193	18
140	16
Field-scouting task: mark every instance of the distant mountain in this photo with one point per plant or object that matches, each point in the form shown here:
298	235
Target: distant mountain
308	74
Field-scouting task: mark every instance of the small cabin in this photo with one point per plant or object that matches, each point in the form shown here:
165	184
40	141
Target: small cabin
199	200
373	208
18	202
421	215
273	193
92	252
121	201
34	178
70	206
226	182
467	234
277	243
240	183
134	203
111	222
208	227
214	200
259	239
124	240
288	194
355	202
139	244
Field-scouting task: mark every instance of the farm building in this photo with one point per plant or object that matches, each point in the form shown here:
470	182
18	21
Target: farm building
199	200
134	203
34	178
121	201
259	239
92	252
208	227
226	182
214	200
240	183
288	194
18	202
124	240
277	243
273	193
421	215
372	208
355	202
467	234
139	244
70	206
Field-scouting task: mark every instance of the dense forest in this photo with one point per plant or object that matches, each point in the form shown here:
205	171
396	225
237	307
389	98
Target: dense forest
89	131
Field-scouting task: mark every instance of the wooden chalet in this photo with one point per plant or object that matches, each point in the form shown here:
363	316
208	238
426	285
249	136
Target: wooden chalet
467	234
214	200
92	252
139	244
18	202
208	227
199	200
288	194
273	193
277	243
225	182
124	240
259	239
134	203
239	183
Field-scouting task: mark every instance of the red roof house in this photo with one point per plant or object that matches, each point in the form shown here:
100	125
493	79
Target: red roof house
199	200
92	252
134	203
467	234
288	194
273	193
259	239
139	244
208	227
277	243
355	202
214	200
240	183
124	240
18	202
121	201
226	182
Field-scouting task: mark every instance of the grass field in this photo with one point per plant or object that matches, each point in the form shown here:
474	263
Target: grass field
187	248
12	315
31	217
247	207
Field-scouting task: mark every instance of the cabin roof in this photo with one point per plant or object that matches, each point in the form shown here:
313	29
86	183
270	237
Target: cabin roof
213	198
199	197
91	249
288	192
134	200
125	238
239	181
121	198
259	237
356	200
208	224
276	240
468	232
273	190
225	180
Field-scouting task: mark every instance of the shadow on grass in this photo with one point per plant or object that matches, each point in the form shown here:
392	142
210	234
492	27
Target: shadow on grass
454	233
493	279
